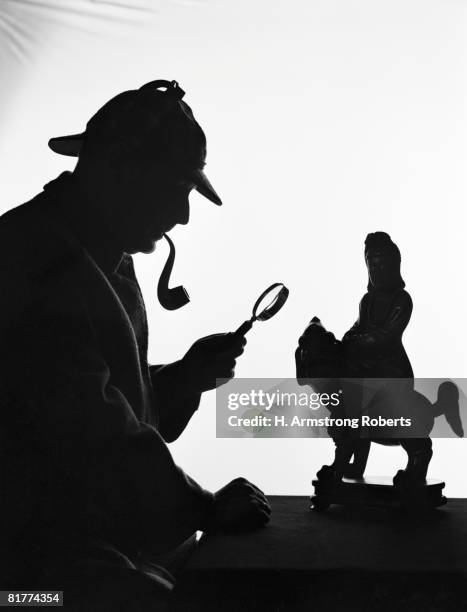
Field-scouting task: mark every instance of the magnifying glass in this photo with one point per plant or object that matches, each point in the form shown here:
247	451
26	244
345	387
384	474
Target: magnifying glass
266	306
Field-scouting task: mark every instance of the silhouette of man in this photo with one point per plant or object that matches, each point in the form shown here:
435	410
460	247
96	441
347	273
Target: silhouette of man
90	487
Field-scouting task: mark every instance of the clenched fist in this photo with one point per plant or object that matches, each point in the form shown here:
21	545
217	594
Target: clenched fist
239	506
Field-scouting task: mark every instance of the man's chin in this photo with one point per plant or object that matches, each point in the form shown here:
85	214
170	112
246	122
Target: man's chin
148	250
144	246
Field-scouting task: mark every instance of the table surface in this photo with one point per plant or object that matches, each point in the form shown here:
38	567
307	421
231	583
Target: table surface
363	539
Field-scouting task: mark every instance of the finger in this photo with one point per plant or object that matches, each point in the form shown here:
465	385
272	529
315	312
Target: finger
223	363
244	487
218	377
257	490
246	484
239	479
234	342
223	380
215	343
242	340
229	352
253	491
262	504
228	341
260	517
213	337
226	358
235	338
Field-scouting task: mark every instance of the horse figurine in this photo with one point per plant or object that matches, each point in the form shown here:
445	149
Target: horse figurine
372	350
320	362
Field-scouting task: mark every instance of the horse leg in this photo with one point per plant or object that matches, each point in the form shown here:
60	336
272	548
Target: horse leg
419	451
343	453
356	469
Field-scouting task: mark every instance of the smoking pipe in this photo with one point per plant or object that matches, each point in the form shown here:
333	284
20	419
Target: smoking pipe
175	297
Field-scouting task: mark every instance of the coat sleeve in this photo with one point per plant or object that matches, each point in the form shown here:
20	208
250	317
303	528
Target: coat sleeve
392	328
117	473
175	407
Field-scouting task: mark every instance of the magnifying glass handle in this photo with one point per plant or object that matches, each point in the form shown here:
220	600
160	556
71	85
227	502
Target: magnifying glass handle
244	328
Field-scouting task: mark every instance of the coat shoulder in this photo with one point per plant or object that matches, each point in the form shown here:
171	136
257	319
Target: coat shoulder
37	260
31	242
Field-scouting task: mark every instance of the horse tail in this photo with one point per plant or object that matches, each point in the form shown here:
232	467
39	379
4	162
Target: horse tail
448	404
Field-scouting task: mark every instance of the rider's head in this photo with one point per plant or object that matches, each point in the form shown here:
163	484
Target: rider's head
383	261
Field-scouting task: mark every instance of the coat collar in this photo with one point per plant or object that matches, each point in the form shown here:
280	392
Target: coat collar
84	221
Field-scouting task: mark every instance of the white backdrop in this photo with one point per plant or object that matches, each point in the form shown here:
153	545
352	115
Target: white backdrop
326	119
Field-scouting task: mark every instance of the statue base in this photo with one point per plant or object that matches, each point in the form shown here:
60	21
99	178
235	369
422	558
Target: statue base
377	491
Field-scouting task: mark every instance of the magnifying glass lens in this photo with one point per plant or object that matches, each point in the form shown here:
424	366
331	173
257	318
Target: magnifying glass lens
266	306
270	302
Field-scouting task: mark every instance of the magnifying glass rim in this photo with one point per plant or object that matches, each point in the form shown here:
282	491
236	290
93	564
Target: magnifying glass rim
283	290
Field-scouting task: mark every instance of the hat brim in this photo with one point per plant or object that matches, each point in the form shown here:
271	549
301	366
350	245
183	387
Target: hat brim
67	145
71	146
204	187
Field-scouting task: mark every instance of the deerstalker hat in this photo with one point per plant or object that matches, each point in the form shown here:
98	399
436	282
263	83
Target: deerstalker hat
153	119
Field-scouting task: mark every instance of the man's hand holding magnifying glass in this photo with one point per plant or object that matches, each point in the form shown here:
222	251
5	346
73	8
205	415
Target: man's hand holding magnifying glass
210	359
209	363
213	358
